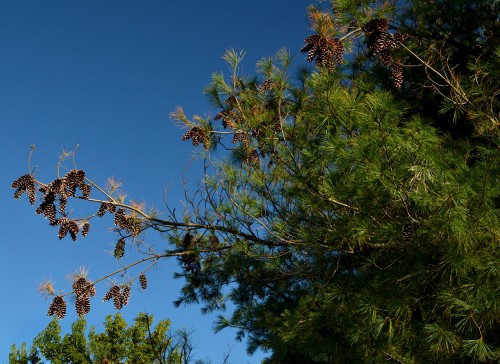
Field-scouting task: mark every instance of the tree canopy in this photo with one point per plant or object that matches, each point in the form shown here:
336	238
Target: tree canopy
140	343
349	210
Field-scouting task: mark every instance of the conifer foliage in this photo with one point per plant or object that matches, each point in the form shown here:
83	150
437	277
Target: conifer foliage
356	217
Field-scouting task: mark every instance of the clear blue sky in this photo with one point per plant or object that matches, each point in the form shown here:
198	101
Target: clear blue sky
105	75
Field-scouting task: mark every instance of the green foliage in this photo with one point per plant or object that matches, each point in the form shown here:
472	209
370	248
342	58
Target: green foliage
21	355
140	343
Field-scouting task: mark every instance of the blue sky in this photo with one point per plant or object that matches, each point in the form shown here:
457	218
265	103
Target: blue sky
104	75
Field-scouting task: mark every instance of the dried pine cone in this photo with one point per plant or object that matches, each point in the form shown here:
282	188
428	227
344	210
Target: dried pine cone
102	209
91	290
197	136
106	207
112	292
326	50
85	229
82	305
80	286
382	42
63	228
386	58
229	119
86	189
31	194
109	294
240	135
48	209
125	295
397	74
144	281
62	204
25	183
73	179
408	231
378	39
119	248
267	85
73	229
57	187
375	26
121	219
312	46
134	226
118	300
57	307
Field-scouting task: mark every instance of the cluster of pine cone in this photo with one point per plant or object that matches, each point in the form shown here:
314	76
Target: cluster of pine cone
131	225
266	85
119	295
197	136
58	191
381	42
84	289
327	50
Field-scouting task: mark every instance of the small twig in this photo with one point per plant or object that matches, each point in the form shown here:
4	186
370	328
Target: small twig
33	147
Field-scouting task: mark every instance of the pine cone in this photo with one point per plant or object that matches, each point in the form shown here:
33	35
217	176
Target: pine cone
49	211
386	58
125	295
240	135
326	50
25	183
86	189
91	290
408	231
112	292
85	229
118	301
267	85
62	205
144	281
121	219
79	286
375	26
197	136
73	229
57	187
57	307
397	74
119	251
74	179
82	305
63	229
104	207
